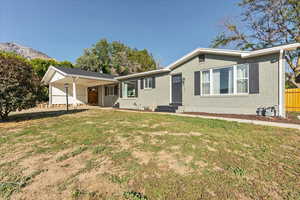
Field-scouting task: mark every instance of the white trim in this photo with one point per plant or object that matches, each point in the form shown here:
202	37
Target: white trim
205	50
157	71
235	80
280	85
248	78
91	77
201	81
234	92
137	89
170	99
242	54
44	80
50	94
211	83
74	92
271	50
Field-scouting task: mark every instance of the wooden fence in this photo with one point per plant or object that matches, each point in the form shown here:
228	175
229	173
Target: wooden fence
292	99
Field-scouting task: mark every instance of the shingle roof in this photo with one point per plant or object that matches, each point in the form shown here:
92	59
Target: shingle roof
80	72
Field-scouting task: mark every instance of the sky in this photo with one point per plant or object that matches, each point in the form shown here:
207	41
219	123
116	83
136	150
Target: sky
169	29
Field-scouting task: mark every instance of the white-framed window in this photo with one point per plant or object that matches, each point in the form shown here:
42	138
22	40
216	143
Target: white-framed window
205	82
129	89
225	80
242	78
148	82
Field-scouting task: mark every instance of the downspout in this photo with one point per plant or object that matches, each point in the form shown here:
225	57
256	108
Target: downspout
281	85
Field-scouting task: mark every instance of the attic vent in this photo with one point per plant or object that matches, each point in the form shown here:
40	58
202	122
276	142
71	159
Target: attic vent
201	58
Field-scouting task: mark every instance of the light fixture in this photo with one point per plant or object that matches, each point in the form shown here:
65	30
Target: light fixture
67	86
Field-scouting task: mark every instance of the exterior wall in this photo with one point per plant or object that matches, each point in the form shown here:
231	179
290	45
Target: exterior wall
234	104
106	101
149	98
59	94
109	101
161	94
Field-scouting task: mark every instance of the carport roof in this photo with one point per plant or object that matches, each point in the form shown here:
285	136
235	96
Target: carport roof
80	72
77	73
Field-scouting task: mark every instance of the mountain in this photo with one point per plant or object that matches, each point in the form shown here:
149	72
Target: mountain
24	51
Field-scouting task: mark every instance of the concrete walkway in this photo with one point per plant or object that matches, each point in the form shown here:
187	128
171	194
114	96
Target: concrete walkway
247	121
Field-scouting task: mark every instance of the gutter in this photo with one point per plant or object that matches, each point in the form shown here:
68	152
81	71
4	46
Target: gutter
158	71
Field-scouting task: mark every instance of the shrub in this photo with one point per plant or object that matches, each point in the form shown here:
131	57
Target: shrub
18	84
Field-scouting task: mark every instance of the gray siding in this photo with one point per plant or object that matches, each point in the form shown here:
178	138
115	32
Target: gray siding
109	101
149	98
106	101
237	104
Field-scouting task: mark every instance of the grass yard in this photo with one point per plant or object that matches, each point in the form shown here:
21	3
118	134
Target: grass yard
106	154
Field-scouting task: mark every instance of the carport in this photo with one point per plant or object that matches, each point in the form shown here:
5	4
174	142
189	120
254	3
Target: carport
82	85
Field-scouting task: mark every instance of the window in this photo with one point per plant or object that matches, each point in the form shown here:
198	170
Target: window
242	78
223	81
205	82
148	83
129	89
109	90
226	80
201	58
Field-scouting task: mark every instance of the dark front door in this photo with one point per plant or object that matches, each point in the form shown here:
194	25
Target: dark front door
177	89
93	96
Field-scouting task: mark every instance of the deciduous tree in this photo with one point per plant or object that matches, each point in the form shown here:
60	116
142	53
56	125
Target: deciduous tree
115	58
265	23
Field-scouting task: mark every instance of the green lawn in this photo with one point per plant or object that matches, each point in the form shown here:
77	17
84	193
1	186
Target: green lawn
105	154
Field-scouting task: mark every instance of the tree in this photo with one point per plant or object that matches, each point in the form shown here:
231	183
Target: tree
115	58
18	84
40	67
266	23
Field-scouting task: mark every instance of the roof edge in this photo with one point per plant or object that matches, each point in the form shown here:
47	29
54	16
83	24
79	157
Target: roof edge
157	71
266	51
229	52
206	50
51	67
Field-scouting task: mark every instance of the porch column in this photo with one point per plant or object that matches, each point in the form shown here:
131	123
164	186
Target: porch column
74	93
50	94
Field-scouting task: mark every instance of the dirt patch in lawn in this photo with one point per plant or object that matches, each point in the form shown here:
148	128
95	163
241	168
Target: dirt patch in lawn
168	161
143	157
165	161
160	133
15	153
52	173
95	181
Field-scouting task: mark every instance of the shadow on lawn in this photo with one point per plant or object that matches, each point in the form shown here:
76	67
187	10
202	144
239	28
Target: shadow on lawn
39	115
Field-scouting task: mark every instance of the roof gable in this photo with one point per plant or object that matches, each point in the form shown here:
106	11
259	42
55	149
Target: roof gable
241	54
75	72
